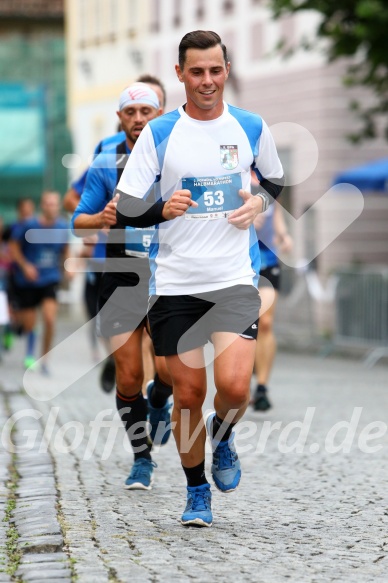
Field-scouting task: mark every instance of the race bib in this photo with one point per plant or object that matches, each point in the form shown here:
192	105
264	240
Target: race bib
217	196
47	259
138	241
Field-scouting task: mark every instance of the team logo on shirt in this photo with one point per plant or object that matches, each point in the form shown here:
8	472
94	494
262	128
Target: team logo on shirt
229	157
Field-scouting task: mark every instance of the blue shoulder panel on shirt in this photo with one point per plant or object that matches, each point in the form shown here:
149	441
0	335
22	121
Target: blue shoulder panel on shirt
104	169
105	144
161	128
109	141
251	123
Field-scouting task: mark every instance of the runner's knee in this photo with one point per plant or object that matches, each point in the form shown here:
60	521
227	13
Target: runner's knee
189	397
265	323
235	395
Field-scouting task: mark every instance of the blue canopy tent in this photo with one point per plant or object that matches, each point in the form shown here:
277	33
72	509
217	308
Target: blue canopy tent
371	176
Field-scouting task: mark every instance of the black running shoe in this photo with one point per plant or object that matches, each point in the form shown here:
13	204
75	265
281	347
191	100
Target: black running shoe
108	375
260	399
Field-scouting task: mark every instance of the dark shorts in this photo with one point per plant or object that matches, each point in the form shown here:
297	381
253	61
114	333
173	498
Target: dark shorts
272	277
91	292
182	323
10	287
24	298
122	304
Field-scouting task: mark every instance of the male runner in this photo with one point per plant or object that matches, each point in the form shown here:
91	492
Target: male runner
38	270
124	288
25	209
204	255
70	203
271	231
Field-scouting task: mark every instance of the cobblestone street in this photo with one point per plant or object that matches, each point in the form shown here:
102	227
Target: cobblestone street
312	505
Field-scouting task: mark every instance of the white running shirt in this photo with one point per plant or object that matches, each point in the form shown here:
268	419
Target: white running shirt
201	251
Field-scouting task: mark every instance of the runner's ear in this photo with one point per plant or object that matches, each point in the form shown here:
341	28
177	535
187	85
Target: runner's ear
178	73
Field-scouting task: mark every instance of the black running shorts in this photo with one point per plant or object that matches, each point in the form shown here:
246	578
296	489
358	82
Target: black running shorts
182	323
123	301
24	298
270	276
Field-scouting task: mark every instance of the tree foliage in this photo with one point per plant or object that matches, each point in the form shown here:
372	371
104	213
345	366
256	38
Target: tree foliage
357	29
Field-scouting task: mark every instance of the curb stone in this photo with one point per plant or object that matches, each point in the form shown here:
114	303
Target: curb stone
40	539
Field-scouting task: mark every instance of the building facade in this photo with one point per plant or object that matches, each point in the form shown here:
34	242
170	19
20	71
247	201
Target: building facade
301	98
33	122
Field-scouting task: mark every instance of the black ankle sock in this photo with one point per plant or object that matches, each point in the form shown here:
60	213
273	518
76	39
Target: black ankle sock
196	476
160	393
261	389
224	429
134	410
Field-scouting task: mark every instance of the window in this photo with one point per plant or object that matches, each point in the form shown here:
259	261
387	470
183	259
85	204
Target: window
228	6
177	20
82	22
98	20
200	13
133	10
113	19
155	11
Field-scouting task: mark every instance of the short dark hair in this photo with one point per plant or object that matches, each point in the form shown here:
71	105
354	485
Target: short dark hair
23	200
199	39
146	78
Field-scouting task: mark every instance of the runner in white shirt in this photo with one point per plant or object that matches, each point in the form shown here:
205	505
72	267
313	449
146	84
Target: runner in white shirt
204	255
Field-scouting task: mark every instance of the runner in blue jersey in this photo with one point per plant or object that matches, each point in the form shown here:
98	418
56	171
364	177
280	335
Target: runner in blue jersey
93	252
70	202
272	235
123	296
204	255
25	209
39	267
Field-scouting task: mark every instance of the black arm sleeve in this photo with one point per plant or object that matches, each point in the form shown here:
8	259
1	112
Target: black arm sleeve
273	189
136	212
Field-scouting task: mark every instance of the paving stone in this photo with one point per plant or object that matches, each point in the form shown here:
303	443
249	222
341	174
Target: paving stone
44	574
48	528
33	499
35	504
40	544
46	566
44	558
33	459
45	519
27	471
36	492
47	576
35	482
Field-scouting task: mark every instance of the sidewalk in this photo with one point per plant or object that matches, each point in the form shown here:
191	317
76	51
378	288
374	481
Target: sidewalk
312	505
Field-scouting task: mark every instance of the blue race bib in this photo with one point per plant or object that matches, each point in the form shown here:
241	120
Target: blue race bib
217	196
138	241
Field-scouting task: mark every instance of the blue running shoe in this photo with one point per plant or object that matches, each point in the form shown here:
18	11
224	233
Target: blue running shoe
141	477
198	510
226	468
160	434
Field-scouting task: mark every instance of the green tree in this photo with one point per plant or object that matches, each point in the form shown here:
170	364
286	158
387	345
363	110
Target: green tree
357	29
